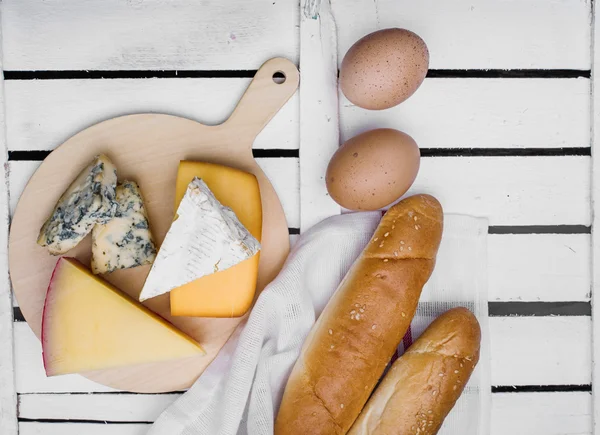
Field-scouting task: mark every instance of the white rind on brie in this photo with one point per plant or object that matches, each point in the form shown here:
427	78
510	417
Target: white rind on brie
205	237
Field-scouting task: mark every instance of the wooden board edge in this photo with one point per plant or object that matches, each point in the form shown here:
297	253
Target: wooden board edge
8	394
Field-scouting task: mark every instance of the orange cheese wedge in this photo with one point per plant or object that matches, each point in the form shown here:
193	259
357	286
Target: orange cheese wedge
90	325
228	293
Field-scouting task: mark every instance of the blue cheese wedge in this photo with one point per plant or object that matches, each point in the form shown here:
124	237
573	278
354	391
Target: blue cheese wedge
89	200
125	241
205	237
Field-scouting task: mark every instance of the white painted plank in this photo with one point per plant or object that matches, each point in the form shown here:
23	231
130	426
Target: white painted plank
541	413
162	34
283	173
510	190
512	413
293	239
595	191
31	428
550	424
467	34
540	350
484	113
19	175
478	113
539	267
595	188
524	351
507	190
319	110
42	114
152	34
108	406
8	396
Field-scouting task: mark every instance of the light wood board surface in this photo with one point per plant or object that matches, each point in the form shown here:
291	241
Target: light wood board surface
147	148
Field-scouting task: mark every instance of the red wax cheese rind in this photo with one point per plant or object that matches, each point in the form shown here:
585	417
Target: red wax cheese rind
88	324
228	293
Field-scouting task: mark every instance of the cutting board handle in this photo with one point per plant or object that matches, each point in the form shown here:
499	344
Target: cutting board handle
274	83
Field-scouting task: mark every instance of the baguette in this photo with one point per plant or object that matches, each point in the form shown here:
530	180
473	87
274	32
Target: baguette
423	385
348	348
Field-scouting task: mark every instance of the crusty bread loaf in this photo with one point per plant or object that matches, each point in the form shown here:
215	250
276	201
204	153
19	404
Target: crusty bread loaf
347	350
423	385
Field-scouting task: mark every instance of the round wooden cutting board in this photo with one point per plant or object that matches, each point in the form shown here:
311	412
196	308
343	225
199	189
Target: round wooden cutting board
147	148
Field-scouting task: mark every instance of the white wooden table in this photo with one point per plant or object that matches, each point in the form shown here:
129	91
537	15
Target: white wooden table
505	122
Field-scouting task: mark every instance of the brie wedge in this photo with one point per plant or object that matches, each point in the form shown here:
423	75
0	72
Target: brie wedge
205	237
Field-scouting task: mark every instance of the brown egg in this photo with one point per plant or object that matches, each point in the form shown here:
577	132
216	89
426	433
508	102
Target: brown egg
373	169
384	68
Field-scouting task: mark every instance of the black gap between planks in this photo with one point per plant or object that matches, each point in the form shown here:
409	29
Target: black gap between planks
506	152
509	73
124	74
38	155
148	74
539	229
585	388
539	309
581	388
495	309
78	421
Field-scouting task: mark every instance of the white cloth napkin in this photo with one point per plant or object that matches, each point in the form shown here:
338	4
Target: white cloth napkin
240	391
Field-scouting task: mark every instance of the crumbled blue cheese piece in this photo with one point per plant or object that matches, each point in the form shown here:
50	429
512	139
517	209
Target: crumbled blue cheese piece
125	241
205	237
89	200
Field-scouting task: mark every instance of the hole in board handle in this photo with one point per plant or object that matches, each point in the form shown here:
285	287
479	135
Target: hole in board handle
279	77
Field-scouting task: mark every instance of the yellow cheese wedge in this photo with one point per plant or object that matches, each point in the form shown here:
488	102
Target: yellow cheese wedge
228	293
90	325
